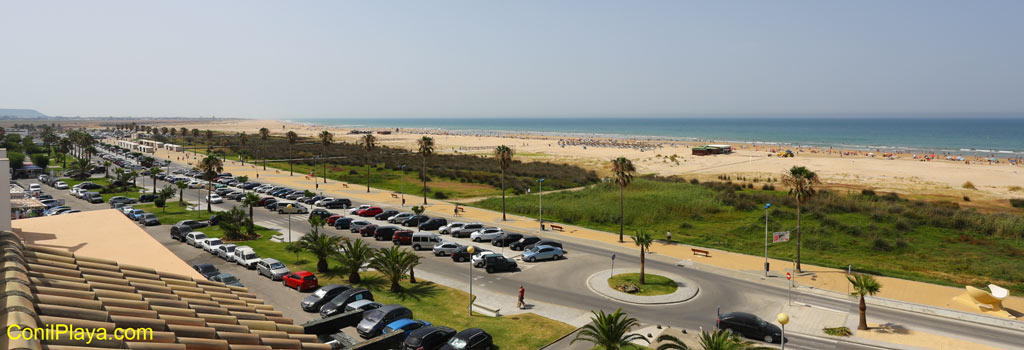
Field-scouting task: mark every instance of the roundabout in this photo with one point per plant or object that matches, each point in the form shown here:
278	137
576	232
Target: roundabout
685	290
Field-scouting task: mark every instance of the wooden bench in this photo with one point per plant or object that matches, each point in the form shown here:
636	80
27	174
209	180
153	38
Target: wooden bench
557	228
344	185
394	195
701	252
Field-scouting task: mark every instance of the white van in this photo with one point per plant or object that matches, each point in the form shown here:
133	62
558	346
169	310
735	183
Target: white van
425	240
246	256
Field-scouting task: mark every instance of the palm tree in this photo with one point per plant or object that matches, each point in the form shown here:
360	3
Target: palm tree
504	156
717	340
184	132
326	139
80	168
182	185
863	285
801	182
643	240
369	142
292	137
251	200
354	254
211	166
610	331
106	169
321	245
426	149
173	131
393	263
243	140
153	172
64	146
623	170
264	135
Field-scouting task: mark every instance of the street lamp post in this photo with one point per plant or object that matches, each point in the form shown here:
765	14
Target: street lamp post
470	250
540	206
403	186
783	319
766	206
289	206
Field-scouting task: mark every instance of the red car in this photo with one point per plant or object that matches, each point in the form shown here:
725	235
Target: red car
367	231
371	211
331	219
302	280
263	201
402	237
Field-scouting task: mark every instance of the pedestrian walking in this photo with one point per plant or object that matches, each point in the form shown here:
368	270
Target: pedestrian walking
522	294
456	210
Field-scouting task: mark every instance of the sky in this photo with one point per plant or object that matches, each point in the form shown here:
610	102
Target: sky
473	58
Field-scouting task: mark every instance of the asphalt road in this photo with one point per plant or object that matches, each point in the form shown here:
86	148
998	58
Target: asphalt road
564	283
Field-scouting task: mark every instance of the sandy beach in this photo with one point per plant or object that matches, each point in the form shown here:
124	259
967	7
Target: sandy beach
839	169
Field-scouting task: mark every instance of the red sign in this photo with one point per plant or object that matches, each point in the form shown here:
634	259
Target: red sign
788	276
778	237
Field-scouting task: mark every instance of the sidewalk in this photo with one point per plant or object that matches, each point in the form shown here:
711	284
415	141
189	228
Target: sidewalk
817	277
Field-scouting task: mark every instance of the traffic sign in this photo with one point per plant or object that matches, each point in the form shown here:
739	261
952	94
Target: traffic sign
789	276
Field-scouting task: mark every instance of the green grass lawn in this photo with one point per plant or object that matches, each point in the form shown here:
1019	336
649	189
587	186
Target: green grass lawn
654	284
429	301
927	241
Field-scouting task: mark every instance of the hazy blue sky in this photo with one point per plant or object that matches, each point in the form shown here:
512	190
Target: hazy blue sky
295	59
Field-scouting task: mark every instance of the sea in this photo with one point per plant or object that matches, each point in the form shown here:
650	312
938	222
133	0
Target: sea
1001	137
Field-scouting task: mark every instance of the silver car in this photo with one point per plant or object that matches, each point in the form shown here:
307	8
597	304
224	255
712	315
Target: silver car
397	219
357	225
447	229
467	230
445	248
272	268
543	253
226	252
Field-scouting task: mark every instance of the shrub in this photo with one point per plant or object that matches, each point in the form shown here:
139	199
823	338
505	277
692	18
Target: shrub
869	193
881	245
838	331
968	185
440	195
967	199
1017	202
694	181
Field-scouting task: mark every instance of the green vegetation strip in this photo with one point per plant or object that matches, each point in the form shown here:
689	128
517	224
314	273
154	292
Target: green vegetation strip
935	242
429	301
653	284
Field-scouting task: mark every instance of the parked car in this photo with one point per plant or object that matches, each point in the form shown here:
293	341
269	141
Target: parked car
750	326
271	268
365	305
447	229
312	200
523	242
322	213
402	237
384	233
400	217
211	245
207	270
291	208
333	218
367	231
428	338
340	302
338	203
462	254
547	242
371	211
470	339
343	223
424	240
136	214
406	325
375	320
149	219
495	263
179	229
317	299
195	238
301	281
445	248
415	220
246	256
265	200
226	252
433	224
506	239
121	200
486	234
385	214
272	206
467	230
227	279
480	255
60	185
215	198
356	225
147	197
543	252
323	201
356	210
93	197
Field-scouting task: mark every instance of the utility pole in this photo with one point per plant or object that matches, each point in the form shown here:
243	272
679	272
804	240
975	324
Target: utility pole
540	214
766	206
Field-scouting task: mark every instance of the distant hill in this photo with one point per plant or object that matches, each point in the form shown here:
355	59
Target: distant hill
21	113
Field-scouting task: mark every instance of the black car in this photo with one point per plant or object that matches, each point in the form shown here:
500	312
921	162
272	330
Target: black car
313	302
322	213
149	219
463	254
508	238
89	186
497	263
470	339
339	303
250	185
272	206
384	233
750	326
342	223
546	242
428	338
415	220
523	242
386	214
148	197
207	270
433	224
183	227
313	199
340	203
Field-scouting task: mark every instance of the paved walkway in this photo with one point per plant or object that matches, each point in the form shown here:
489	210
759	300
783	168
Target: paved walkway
818	277
686	290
